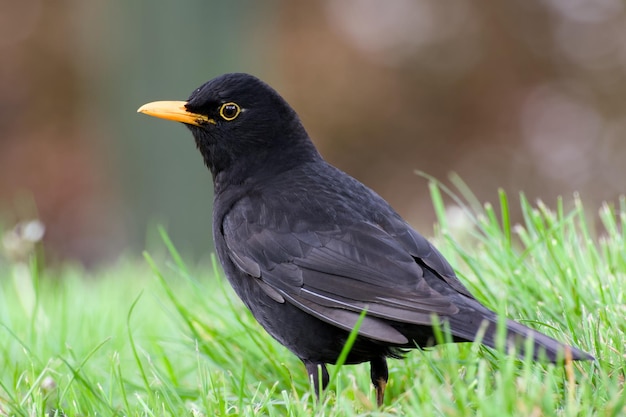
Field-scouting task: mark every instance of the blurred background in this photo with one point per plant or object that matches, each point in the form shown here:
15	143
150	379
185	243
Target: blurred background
524	95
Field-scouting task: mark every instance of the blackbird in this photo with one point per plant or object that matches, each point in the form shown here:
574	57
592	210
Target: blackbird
308	248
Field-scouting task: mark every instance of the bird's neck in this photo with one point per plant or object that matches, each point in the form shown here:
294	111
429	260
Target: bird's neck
260	165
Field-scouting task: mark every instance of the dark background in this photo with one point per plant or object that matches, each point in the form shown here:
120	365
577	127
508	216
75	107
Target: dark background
524	95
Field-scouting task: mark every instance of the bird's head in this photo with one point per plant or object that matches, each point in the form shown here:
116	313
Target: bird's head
241	125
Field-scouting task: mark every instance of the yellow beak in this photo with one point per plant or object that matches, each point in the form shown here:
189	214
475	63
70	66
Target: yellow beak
176	111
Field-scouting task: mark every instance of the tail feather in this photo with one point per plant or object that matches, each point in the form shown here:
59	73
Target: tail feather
467	326
543	346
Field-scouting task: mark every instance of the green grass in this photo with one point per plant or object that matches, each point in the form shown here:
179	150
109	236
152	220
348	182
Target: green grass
157	337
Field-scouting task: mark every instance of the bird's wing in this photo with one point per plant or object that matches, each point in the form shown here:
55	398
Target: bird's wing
424	253
335	274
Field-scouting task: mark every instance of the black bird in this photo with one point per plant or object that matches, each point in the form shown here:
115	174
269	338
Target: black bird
308	248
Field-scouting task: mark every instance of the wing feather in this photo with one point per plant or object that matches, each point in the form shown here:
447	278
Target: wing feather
336	273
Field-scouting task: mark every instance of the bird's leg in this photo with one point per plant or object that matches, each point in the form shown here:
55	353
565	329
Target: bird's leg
318	373
380	375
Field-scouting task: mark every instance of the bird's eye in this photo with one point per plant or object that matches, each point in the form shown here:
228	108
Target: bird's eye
230	111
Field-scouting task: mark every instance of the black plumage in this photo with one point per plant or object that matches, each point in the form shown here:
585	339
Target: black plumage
308	248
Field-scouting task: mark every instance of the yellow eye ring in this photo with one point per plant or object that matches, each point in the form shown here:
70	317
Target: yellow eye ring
229	111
